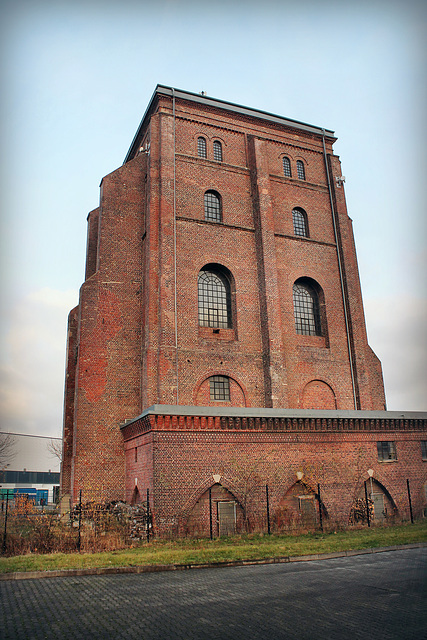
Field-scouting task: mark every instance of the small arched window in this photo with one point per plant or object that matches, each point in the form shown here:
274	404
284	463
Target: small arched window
219	387
213	211
217	151
306	309
299	219
201	147
300	170
214	296
287	168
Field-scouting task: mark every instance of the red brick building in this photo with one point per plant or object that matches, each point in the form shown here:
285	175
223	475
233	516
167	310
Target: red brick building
220	318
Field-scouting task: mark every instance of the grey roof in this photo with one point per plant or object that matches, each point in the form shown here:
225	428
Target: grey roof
259	412
229	106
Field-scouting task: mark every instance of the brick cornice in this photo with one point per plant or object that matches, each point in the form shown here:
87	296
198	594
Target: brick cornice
300	183
304	239
271	420
212	163
215	224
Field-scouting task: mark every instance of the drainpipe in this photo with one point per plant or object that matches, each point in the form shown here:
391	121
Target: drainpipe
174	245
340	269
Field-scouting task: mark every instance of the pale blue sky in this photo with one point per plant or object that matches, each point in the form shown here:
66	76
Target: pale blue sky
76	79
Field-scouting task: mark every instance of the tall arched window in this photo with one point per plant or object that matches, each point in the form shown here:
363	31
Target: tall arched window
217	151
306	309
214	293
287	168
299	218
201	147
213	206
300	170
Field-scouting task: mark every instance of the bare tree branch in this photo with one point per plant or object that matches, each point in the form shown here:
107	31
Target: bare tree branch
7	449
55	449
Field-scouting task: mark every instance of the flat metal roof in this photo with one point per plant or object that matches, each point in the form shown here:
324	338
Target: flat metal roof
228	106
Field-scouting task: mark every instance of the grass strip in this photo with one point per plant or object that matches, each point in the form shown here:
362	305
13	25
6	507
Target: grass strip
239	547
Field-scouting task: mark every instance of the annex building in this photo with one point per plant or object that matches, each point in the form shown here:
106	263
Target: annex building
219	345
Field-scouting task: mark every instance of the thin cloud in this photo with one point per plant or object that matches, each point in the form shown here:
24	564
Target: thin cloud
33	362
397	333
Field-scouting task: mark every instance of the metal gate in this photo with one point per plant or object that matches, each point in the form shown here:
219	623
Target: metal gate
226	517
379	510
307	509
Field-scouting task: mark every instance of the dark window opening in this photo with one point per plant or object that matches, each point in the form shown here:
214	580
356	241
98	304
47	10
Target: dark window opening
219	388
424	449
214	300
213	206
386	451
306	310
300	170
299	219
287	168
217	151
201	147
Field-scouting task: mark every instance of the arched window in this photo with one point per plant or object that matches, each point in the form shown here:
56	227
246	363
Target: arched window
219	387
214	293
300	170
201	147
217	151
213	206
306	309
299	218
287	168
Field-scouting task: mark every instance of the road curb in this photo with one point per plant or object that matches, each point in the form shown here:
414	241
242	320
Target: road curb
100	571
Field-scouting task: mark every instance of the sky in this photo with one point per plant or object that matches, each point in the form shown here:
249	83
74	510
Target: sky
76	78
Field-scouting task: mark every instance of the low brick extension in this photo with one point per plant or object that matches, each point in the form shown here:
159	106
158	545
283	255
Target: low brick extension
179	453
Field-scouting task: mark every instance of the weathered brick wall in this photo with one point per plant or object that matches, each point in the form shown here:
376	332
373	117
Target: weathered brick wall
92	243
188	454
132	350
257	244
70	386
108	374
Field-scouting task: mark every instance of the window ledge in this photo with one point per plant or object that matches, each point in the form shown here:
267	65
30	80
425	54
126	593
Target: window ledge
213	333
311	341
388	461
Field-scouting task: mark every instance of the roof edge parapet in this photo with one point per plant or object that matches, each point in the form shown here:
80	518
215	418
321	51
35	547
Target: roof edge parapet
229	106
260	412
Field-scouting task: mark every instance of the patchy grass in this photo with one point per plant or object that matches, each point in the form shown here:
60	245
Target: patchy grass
242	547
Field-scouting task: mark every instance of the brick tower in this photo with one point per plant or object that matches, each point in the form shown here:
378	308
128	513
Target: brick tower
220	272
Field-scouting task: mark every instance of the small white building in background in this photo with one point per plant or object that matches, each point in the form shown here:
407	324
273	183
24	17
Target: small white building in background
32	467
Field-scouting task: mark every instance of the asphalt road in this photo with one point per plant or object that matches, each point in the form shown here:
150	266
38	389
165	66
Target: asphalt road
369	596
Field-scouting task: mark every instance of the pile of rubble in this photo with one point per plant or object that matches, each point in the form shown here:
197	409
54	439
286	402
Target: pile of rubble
358	513
134	515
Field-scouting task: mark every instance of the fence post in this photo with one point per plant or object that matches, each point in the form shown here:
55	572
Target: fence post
5	522
268	509
148	515
367	506
410	501
79	539
320	507
210	513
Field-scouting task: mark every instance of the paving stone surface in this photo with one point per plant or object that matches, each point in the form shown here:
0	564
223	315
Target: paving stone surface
381	596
